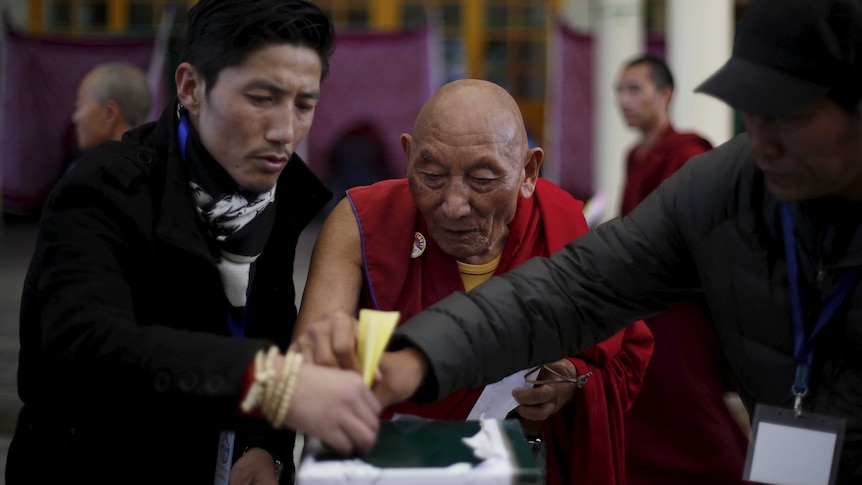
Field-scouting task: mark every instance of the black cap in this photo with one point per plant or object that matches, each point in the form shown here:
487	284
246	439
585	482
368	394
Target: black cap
789	53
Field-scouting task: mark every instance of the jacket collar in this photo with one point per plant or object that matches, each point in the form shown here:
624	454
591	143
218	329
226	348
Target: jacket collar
299	195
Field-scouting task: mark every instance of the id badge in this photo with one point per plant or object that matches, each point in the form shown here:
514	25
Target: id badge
223	458
791	450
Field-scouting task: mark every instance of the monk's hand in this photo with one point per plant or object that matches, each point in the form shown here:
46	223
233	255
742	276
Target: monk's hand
542	400
399	375
330	341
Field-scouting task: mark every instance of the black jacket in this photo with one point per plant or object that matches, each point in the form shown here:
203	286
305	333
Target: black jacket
127	368
711	230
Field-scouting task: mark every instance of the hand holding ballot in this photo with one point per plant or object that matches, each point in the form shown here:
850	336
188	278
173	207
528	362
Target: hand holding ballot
330	341
401	373
340	340
336	407
373	332
393	376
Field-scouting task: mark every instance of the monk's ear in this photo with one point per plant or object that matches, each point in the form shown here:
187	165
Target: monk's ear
532	164
406	141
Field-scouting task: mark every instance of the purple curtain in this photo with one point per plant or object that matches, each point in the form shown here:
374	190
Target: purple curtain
379	80
40	82
569	128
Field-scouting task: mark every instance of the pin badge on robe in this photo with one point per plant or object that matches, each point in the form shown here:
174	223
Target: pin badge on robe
418	245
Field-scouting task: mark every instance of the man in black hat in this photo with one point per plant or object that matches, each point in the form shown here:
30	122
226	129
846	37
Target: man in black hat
767	228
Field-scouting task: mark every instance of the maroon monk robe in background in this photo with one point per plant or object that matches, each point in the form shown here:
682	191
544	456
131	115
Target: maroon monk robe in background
679	430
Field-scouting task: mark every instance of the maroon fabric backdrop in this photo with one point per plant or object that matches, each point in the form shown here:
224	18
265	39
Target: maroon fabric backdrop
40	82
569	108
569	125
376	79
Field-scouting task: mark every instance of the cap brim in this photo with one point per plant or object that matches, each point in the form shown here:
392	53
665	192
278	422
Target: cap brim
757	89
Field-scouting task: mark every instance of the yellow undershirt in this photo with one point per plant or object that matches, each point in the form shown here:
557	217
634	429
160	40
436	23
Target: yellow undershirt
475	274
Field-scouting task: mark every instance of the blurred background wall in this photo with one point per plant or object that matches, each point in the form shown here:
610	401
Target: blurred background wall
558	58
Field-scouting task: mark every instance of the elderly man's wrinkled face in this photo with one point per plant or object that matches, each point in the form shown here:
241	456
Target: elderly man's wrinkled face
814	152
466	184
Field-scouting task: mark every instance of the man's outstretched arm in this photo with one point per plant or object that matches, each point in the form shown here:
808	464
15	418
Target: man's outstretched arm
625	270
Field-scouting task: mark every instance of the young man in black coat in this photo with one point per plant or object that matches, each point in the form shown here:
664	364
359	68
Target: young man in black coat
159	300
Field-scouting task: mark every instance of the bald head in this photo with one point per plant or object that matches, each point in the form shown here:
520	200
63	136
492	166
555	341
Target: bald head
468	165
470	107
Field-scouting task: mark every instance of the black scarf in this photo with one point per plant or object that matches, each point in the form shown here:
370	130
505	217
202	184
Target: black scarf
240	222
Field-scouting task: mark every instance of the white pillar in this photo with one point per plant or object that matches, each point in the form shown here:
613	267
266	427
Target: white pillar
699	41
619	35
18	10
577	14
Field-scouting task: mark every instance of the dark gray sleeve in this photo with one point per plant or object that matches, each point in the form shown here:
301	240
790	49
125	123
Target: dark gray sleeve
625	270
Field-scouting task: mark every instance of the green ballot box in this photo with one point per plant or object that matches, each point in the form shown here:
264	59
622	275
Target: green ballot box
431	452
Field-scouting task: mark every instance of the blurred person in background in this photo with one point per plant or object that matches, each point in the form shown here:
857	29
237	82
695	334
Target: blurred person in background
680	430
112	99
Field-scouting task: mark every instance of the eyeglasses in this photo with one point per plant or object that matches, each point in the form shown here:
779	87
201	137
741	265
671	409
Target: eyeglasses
579	380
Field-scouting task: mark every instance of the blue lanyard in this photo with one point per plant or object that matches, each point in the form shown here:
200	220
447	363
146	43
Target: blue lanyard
803	348
237	328
183	133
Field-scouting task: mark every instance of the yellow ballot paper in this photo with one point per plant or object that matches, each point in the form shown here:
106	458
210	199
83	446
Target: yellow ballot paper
375	328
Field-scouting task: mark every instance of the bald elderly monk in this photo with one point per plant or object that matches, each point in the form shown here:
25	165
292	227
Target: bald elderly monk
472	206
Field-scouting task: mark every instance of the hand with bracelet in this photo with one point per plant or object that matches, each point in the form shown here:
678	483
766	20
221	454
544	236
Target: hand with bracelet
331	404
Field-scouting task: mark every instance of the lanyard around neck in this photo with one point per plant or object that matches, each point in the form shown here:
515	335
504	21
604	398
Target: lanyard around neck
183	133
237	327
803	347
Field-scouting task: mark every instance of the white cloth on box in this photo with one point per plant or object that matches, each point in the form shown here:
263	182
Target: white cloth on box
488	444
496	469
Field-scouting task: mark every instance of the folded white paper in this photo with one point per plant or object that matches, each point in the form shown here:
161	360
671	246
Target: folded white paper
496	401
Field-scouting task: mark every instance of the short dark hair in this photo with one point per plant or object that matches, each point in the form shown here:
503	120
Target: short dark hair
659	72
222	33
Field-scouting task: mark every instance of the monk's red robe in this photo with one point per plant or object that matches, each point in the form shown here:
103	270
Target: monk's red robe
585	439
680	431
645	173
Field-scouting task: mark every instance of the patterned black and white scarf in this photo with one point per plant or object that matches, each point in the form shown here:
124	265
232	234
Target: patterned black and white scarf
240	222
